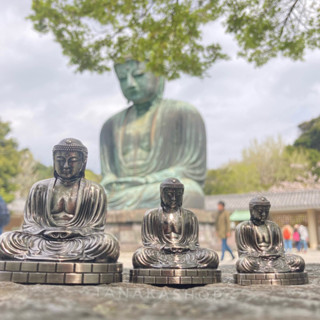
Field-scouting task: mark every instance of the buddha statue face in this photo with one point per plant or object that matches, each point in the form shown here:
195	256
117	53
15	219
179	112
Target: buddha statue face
68	164
259	214
172	198
137	84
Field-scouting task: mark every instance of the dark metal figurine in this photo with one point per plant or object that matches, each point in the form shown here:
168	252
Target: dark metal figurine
170	243
260	248
64	218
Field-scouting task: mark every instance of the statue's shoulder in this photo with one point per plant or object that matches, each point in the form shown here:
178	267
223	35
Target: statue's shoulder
189	213
151	212
94	185
272	224
115	118
42	184
177	105
244	224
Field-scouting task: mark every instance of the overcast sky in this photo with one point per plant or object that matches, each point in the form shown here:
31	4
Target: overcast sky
46	101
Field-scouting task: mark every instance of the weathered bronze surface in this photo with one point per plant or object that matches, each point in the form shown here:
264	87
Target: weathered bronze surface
170	235
151	140
60	272
64	218
260	244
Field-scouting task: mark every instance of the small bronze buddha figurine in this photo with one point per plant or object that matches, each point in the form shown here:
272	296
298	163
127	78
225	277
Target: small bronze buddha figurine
64	217
260	243
170	234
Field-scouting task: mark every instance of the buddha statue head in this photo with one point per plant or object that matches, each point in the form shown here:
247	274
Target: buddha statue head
137	83
259	210
69	159
171	191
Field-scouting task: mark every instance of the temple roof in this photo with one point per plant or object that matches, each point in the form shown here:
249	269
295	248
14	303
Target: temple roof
280	201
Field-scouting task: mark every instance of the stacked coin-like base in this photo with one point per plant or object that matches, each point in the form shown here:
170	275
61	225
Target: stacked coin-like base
276	279
60	272
175	276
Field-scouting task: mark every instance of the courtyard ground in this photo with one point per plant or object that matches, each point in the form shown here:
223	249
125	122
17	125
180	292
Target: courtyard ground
138	301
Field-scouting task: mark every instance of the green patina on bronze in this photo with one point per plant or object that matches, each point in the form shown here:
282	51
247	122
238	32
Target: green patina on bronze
151	140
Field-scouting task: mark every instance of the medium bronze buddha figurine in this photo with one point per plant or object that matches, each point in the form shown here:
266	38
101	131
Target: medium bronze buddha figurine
152	139
260	243
170	234
64	217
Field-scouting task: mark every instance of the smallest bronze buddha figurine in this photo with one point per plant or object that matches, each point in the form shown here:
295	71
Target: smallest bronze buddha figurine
170	243
260	248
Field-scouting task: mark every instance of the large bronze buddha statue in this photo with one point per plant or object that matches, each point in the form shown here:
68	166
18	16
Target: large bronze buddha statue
64	217
149	141
170	234
260	243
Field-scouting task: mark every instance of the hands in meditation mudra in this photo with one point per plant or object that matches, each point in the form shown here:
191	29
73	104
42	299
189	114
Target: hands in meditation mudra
64	217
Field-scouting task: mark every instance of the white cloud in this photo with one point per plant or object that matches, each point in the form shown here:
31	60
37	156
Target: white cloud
46	101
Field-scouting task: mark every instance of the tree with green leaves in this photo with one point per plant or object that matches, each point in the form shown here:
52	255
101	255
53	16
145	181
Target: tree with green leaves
310	135
168	33
165	33
9	162
263	165
266	28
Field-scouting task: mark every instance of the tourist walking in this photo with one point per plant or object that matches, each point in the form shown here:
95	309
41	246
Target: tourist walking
304	237
223	228
287	232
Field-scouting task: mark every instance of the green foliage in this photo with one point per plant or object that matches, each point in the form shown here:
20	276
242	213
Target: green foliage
265	28
30	171
263	165
43	172
9	160
236	177
90	175
166	33
310	136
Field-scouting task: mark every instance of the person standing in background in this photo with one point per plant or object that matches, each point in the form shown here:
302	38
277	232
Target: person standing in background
287	232
223	228
304	237
4	215
296	237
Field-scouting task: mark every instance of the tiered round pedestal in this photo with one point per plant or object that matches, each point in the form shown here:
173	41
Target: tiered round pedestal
276	279
175	276
60	272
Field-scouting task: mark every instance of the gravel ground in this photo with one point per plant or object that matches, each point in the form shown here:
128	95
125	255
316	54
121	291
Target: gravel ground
138	301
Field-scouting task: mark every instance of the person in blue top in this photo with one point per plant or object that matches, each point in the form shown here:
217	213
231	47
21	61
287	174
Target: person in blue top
4	214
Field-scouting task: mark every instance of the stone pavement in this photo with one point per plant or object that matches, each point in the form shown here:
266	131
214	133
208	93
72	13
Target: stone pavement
138	301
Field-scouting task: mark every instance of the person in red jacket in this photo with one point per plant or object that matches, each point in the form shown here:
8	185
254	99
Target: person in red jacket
287	233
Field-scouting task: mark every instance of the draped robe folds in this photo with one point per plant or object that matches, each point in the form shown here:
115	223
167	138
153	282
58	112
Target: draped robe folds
254	259
153	255
177	149
86	238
